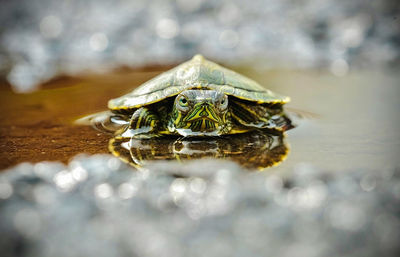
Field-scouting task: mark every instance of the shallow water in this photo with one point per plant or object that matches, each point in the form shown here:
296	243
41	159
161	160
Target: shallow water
348	122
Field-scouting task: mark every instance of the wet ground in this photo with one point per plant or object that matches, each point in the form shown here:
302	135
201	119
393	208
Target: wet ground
39	126
349	122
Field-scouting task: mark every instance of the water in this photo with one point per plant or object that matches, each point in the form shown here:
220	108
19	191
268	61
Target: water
357	122
255	150
333	191
348	121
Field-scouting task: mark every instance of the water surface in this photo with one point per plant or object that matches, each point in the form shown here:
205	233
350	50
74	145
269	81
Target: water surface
349	122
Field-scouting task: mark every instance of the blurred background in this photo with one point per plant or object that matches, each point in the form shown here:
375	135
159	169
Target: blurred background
336	194
40	39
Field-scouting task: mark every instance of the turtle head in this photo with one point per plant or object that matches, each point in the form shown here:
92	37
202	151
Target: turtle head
200	112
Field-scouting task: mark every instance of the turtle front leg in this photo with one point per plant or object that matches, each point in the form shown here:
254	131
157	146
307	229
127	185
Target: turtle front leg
105	121
144	123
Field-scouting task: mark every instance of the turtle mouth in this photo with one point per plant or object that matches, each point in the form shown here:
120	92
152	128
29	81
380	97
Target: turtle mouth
202	125
205	119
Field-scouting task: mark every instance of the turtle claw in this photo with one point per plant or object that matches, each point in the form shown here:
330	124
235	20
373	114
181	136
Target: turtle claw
105	121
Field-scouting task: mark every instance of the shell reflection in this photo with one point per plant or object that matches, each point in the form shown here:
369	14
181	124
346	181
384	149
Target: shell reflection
256	150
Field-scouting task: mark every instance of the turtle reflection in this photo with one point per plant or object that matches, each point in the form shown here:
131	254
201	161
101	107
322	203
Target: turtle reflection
255	150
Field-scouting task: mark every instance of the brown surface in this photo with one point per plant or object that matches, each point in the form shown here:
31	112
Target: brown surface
357	125
39	126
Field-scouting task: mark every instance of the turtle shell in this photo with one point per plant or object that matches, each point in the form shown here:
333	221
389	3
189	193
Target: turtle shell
197	73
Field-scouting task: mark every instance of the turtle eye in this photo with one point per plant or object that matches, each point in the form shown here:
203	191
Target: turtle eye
183	102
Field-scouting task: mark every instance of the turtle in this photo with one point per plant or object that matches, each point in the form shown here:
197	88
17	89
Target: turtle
196	98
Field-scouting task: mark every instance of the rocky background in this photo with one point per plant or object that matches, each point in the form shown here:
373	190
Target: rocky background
97	206
40	39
